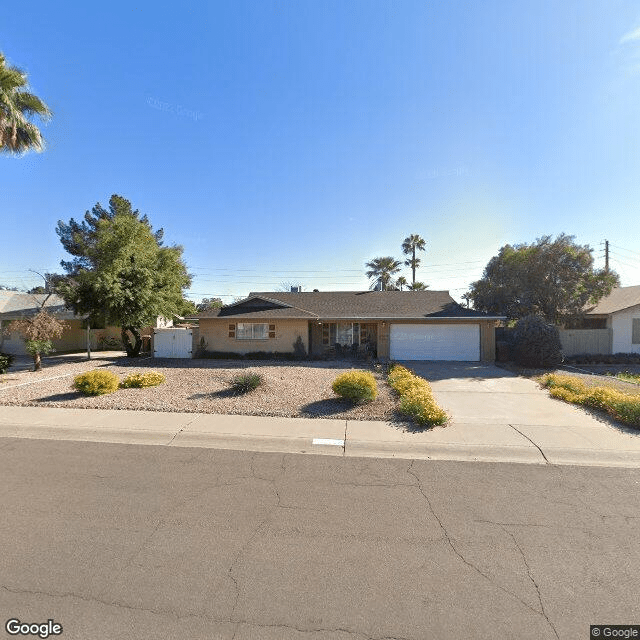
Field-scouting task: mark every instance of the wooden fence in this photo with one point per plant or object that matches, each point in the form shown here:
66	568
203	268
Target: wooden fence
575	341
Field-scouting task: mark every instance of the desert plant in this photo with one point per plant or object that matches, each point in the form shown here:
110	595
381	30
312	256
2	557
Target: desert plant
139	380
6	360
623	407
420	406
37	348
245	382
109	343
357	386
299	350
96	383
537	343
416	399
38	331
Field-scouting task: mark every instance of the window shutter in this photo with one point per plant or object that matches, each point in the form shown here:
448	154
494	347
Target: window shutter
232	330
635	331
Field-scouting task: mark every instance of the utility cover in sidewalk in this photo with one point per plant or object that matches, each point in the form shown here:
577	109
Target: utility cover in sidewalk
337	443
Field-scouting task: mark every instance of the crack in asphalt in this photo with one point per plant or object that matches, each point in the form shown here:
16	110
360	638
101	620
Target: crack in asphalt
458	554
533	443
254	533
533	580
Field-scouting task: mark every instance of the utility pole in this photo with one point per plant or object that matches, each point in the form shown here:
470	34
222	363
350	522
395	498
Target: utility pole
606	256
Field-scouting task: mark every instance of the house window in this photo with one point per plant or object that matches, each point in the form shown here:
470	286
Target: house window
252	331
635	331
347	333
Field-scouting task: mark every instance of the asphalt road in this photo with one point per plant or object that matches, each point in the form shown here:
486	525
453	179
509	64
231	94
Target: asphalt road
125	541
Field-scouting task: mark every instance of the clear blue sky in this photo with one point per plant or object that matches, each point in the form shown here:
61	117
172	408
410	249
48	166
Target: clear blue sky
293	141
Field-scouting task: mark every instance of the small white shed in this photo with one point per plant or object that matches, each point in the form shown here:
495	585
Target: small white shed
172	343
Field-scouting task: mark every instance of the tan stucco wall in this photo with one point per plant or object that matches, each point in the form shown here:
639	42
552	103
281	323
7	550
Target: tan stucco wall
74	337
215	332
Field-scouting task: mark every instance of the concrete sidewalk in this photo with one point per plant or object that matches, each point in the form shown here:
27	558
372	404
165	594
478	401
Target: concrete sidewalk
577	443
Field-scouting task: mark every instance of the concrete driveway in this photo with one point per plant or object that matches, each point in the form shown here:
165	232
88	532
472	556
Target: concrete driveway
484	400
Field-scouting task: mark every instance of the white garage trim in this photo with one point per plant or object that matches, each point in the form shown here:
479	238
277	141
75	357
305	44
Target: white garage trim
435	341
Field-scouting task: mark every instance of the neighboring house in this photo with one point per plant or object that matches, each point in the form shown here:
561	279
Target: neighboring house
397	325
619	312
16	304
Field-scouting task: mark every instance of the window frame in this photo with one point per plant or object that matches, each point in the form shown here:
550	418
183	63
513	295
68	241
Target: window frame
241	331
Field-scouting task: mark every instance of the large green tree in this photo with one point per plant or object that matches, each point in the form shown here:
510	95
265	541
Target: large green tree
381	272
552	278
120	272
410	245
18	106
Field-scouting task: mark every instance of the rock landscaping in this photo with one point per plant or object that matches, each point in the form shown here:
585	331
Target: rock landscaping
288	389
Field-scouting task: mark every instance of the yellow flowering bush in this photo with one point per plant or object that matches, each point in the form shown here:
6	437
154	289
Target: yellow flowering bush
358	386
420	406
401	380
416	399
624	407
139	380
553	380
96	383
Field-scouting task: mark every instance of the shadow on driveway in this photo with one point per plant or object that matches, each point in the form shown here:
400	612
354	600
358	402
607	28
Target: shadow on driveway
445	370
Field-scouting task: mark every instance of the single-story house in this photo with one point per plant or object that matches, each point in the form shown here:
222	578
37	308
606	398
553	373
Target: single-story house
619	312
398	325
17	304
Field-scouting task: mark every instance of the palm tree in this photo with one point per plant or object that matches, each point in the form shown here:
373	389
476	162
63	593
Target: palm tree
382	270
417	286
17	106
409	246
402	282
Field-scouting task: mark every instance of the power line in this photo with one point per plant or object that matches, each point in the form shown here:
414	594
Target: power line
632	259
630	266
629	250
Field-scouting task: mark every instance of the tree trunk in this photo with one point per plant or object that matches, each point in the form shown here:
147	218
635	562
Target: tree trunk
133	350
37	362
413	265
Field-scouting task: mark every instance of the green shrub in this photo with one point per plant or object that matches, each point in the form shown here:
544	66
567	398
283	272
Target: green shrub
416	399
626	409
139	380
536	343
629	377
357	386
43	347
97	382
245	382
6	360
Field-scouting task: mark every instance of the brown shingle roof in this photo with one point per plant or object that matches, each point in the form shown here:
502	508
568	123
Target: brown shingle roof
618	299
335	305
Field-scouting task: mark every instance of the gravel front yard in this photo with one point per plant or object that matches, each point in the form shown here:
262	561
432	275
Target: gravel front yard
290	389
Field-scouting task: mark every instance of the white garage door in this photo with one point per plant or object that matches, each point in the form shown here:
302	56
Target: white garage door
435	342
